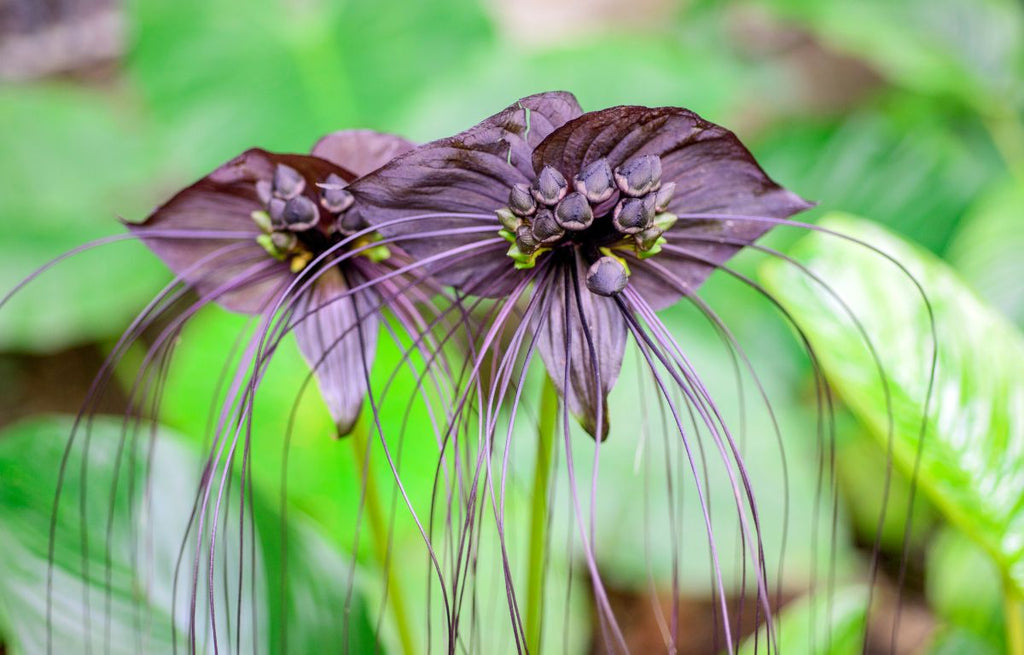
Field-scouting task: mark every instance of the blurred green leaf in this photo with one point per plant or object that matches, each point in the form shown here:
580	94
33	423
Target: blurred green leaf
823	624
971	450
395	51
988	249
72	161
695	68
958	641
970	49
964	589
903	166
221	77
133	520
227	75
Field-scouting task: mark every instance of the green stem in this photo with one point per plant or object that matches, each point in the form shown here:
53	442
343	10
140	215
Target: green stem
539	515
1014	610
379	532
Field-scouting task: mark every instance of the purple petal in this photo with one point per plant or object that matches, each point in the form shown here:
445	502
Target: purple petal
713	173
469	173
223	201
361	151
606	329
337	335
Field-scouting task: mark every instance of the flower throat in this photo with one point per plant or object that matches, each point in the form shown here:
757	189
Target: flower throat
297	230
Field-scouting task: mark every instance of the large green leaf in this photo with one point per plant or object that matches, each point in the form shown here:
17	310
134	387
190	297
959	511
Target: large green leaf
971	449
851	165
823	624
117	597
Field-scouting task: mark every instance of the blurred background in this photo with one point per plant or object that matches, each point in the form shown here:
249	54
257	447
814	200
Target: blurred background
906	112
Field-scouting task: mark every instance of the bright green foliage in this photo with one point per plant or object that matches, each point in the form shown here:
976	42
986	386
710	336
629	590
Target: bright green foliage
972	440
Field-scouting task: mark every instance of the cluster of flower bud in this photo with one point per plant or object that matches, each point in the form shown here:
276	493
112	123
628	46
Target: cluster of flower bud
290	215
606	209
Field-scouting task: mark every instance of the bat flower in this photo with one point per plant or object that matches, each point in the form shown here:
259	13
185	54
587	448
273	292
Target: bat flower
267	231
596	212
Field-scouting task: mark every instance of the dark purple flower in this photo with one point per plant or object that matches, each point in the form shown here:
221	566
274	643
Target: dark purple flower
290	241
585	206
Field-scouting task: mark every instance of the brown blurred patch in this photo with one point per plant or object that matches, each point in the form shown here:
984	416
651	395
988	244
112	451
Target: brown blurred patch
901	624
544	23
642	620
42	38
37	384
818	81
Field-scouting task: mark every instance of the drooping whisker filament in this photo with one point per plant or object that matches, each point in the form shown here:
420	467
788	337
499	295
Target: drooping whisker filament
679	368
871	351
824	404
172	293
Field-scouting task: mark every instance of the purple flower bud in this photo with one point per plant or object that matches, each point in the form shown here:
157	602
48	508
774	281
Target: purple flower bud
596	181
333	181
607	276
546	229
264	192
551	186
639	176
634	215
350	223
525	240
336	199
275	208
574	212
664	196
300	214
288	182
520	200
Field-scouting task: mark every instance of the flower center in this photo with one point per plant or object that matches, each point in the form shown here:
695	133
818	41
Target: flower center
608	210
298	226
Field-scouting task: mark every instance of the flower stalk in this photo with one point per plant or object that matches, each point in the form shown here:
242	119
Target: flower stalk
1013	607
539	514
